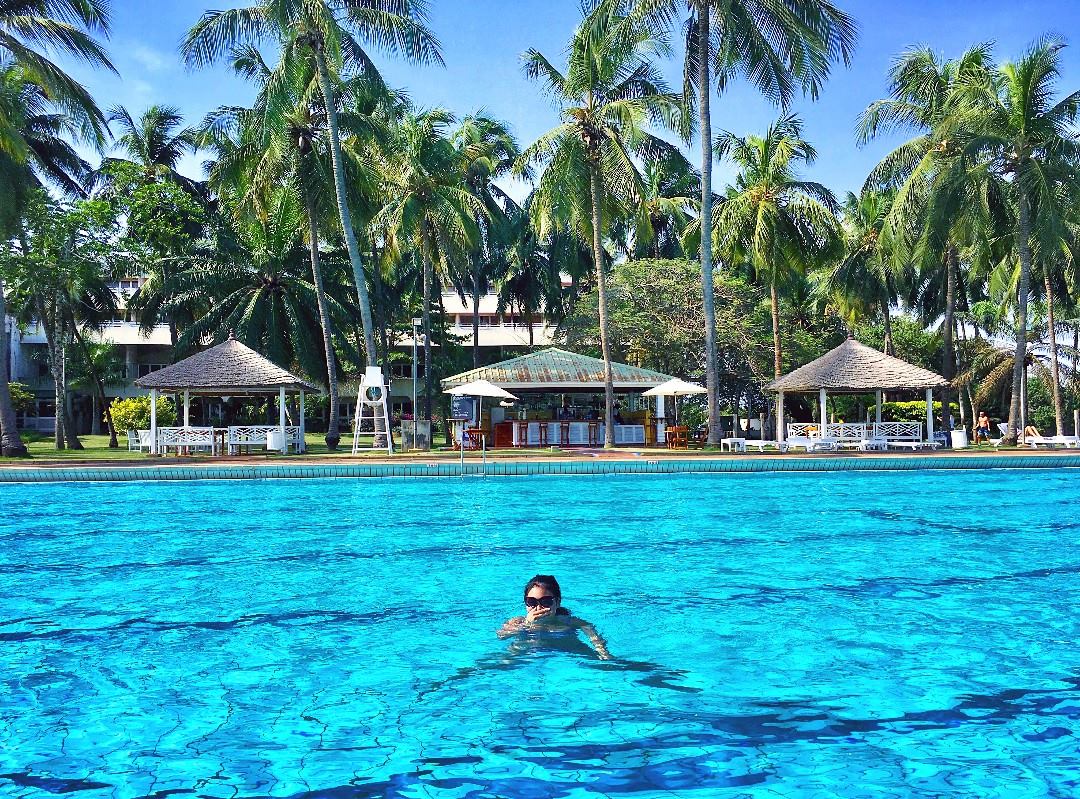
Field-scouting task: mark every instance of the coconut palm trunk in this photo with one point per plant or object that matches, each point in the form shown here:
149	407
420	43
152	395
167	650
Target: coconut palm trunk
11	445
477	267
886	315
948	356
712	376
1020	354
1055	376
425	257
333	433
774	306
338	167
597	191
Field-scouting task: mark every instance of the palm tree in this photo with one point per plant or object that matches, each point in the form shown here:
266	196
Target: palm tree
326	33
30	28
665	211
258	154
780	47
488	149
939	202
863	276
156	142
608	95
258	275
49	160
429	208
774	220
1015	127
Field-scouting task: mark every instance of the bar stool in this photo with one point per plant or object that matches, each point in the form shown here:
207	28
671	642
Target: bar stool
564	433
522	430
594	434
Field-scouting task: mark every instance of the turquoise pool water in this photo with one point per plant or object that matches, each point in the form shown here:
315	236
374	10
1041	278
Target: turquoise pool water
776	635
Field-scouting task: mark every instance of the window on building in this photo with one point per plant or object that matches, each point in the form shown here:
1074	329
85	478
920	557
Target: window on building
147	368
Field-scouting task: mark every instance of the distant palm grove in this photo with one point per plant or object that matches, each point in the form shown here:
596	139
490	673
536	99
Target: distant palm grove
333	211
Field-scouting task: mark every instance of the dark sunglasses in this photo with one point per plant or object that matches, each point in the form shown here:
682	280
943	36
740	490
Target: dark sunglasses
545	602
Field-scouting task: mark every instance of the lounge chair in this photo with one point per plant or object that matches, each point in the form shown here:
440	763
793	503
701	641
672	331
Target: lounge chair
761	446
878	443
812	443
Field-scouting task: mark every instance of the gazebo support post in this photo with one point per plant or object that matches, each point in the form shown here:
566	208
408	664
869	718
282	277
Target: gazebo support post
929	414
824	411
781	433
281	420
303	431
661	421
187	407
153	421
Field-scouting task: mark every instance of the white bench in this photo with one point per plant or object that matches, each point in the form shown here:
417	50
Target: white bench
185	439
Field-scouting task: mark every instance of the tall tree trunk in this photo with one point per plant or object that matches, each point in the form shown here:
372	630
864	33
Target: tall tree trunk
886	315
427	267
71	435
99	392
49	328
712	375
1055	376
476	312
338	164
11	445
774	303
948	356
1022	244
333	432
597	192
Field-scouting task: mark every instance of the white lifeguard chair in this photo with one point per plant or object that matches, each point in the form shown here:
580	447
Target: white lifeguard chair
372	397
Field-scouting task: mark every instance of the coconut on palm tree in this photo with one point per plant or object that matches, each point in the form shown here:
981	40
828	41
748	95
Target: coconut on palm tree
608	96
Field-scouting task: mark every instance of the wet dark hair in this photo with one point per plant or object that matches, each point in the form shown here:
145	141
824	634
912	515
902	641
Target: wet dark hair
549	582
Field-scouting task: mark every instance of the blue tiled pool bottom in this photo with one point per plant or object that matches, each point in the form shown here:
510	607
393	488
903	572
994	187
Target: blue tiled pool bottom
821	634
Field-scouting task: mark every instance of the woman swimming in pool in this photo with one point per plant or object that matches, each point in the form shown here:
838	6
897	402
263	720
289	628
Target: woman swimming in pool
544	611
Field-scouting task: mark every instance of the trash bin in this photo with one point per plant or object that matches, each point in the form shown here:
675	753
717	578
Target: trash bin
959	439
274	440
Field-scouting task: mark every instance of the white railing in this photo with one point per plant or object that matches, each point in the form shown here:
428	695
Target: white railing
846	431
803	429
899	431
185	438
255	436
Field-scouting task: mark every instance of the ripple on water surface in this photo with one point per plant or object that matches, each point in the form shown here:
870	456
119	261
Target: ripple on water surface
826	634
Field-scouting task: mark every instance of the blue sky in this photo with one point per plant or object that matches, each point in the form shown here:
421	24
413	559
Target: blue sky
484	39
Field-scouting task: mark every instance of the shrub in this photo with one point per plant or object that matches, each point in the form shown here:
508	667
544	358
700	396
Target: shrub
914	411
133	413
22	398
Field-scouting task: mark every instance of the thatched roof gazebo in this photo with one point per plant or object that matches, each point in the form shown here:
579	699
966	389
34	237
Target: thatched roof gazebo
230	369
854	368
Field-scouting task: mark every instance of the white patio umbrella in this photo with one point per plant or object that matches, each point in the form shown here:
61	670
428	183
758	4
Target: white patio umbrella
481	389
675	388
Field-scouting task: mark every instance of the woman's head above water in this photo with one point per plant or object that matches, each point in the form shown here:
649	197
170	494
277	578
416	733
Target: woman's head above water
542	593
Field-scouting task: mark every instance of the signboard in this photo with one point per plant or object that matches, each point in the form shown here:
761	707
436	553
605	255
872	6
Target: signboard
462	407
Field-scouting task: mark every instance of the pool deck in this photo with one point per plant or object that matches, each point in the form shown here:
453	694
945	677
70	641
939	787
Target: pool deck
579	463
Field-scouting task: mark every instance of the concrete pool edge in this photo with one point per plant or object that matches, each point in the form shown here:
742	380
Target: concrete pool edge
512	468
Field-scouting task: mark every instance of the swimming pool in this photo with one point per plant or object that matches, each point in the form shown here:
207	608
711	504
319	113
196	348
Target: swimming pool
820	634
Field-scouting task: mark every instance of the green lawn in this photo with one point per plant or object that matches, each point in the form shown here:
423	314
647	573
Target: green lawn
96	448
